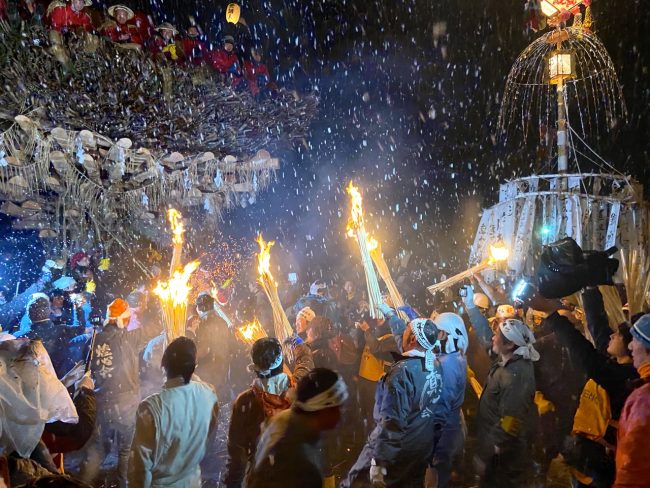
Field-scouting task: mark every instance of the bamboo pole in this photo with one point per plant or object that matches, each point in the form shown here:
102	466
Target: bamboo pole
380	263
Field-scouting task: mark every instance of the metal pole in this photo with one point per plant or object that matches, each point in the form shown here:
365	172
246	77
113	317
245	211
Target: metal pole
562	162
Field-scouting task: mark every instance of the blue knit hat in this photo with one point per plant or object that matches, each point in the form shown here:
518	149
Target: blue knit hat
641	330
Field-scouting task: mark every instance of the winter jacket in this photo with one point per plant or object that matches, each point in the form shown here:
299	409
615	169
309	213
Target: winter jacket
121	33
12	311
632	462
250	411
558	376
171	435
257	75
610	375
60	437
507	413
323	356
214	344
406	417
64	19
56	340
288	455
195	50
115	362
478	355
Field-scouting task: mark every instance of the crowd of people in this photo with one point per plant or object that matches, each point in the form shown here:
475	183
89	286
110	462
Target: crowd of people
492	389
132	29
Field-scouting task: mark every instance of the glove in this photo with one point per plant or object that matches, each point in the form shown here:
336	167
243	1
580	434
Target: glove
377	474
294	341
386	310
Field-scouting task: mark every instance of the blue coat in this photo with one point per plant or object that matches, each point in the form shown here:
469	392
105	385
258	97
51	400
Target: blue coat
407	416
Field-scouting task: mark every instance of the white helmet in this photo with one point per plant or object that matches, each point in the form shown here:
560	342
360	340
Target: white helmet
454	326
481	300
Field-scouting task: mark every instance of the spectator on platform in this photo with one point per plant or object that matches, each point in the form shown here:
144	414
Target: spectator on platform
257	75
194	48
120	29
226	62
164	45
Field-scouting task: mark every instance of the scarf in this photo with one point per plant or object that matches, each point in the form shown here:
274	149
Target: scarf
515	331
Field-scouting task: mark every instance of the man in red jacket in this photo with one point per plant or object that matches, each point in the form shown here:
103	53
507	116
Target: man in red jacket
69	17
194	48
163	45
257	75
120	29
227	62
632	462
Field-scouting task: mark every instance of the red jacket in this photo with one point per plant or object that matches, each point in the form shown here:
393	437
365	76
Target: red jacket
195	50
121	33
143	24
632	461
225	62
257	75
63	19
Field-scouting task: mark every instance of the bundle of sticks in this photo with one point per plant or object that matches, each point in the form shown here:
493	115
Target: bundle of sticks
356	227
380	263
636	276
283	329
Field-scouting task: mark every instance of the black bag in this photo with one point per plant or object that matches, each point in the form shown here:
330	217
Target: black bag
565	268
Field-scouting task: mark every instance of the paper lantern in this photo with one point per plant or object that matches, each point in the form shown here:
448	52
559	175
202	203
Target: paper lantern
232	13
560	66
551	8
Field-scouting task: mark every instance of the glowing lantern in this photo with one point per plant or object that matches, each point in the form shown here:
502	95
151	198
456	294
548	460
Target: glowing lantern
550	8
233	12
560	67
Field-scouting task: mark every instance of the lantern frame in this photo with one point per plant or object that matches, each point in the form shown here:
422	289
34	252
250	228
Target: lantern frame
551	8
560	66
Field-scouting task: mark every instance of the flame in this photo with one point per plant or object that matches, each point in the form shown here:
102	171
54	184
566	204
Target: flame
251	332
498	252
373	244
176	221
177	289
264	257
356	212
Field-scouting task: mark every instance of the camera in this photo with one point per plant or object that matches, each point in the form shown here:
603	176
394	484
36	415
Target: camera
462	291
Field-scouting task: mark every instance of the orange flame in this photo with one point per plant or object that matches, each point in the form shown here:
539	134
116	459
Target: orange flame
356	212
176	221
177	289
498	252
251	332
264	257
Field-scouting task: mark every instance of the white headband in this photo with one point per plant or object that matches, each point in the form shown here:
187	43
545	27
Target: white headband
335	396
417	326
517	332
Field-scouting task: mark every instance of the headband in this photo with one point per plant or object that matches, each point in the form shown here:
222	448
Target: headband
417	326
515	331
334	396
266	372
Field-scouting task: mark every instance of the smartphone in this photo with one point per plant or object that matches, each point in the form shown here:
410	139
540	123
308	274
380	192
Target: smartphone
293	278
462	291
